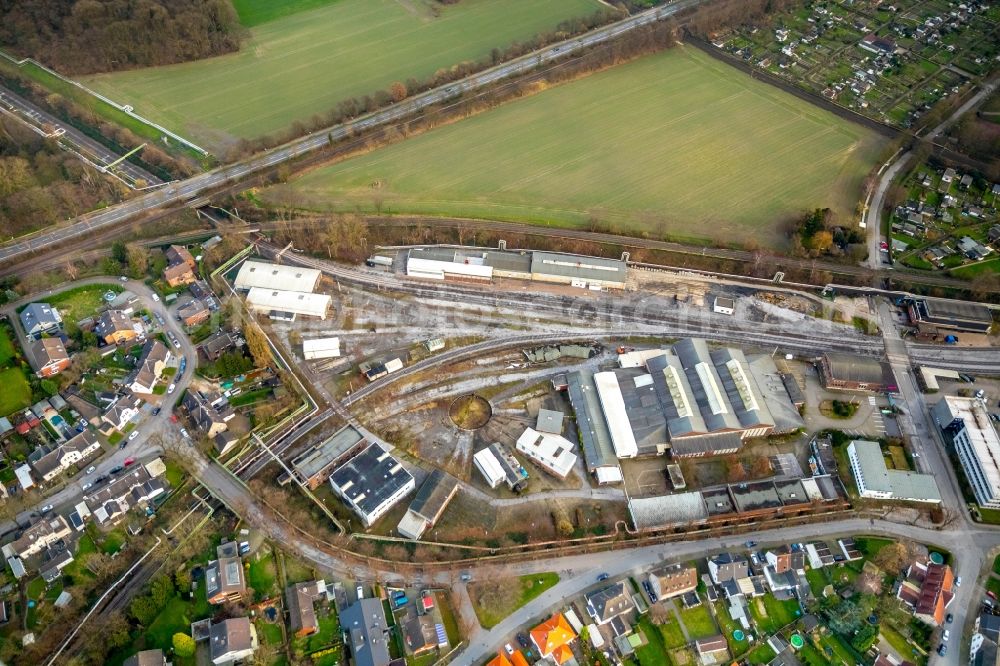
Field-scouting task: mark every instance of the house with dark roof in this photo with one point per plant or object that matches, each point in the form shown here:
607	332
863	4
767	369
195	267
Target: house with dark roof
48	357
225	580
419	635
38	319
115	327
428	504
193	313
134	487
210	413
732	573
178	254
847	372
608	603
149	368
367	631
120	412
37	537
371	483
216	345
232	640
931	314
299	599
52	463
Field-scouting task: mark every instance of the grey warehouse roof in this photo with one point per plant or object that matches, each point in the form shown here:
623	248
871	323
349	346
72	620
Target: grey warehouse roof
594	436
578	266
370	478
433	494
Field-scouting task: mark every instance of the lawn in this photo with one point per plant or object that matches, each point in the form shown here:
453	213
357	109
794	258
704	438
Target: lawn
972	270
654	651
771	614
699	622
175	474
531	586
307	62
262	575
672	144
176	616
818	580
81	302
7	350
270	633
996	565
761	654
16	393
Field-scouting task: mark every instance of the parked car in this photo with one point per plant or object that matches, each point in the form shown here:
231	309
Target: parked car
949	618
156	297
123	278
91	469
46	509
361	592
86	486
184	433
958	582
116	470
466	577
603	577
750	544
171	388
99	480
522	640
980	394
173	418
946	636
129	461
135	433
509	648
942	649
123	445
244	547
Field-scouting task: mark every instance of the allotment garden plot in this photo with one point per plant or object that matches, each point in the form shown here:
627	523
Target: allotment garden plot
306	63
674	144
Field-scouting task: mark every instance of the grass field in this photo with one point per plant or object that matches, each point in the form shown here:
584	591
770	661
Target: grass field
16	393
674	143
254	12
305	63
7	350
531	586
970	271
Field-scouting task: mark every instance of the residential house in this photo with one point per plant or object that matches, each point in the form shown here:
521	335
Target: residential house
367	631
928	590
37	538
606	604
972	249
552	639
178	275
152	362
193	313
48	357
994	233
38	319
782	570
673	581
210	413
178	254
146	658
115	327
223	442
713	650
52	463
216	345
949	175
419	635
232	640
135	487
121	411
732	574
224	580
300	599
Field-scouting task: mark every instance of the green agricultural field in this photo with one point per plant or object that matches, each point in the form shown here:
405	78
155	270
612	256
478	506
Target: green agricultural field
676	143
305	63
16	393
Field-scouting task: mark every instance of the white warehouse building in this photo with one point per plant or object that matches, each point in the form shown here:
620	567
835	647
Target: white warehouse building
280	304
613	405
276	276
553	453
876	481
317	348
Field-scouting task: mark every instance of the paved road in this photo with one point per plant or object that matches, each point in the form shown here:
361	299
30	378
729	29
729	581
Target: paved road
144	447
92	150
192	188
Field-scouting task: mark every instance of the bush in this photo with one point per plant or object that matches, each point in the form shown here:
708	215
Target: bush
183	645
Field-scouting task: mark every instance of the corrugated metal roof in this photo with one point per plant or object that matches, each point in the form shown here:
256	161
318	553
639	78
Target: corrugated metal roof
276	276
595	439
579	266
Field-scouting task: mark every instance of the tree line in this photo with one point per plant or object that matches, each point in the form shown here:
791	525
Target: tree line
88	36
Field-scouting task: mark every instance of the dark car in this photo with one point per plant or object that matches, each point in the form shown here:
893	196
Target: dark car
99	480
750	544
156	411
603	577
123	445
942	649
949	618
116	470
522	640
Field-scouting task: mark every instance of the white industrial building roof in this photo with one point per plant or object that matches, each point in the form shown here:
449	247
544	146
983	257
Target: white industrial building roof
23	474
438	270
984	440
609	475
275	276
321	348
295	302
490	467
616	415
638	358
931	376
553	452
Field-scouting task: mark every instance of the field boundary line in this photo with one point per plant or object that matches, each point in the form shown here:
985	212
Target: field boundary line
123	108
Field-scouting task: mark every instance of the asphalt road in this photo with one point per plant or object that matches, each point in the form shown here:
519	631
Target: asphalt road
144	447
74	138
192	188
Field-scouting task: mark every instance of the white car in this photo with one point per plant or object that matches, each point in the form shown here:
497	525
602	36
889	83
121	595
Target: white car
947	635
123	278
184	433
958	582
177	343
91	469
135	433
171	388
156	297
87	486
509	648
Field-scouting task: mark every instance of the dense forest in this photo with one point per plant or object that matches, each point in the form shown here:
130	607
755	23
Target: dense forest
87	36
41	184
